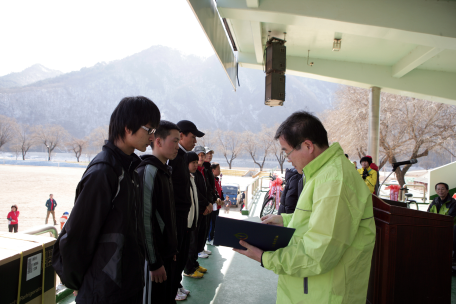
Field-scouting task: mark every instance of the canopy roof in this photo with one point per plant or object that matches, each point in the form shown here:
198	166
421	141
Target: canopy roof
406	47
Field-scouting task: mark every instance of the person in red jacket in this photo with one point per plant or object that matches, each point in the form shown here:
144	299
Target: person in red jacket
12	219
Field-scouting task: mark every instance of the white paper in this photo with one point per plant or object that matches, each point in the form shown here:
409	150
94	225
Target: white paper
34	266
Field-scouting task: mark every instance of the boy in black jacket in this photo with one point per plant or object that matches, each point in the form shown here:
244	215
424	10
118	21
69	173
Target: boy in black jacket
205	207
100	251
159	215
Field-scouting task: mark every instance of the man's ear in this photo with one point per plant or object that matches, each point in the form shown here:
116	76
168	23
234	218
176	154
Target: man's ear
181	136
128	131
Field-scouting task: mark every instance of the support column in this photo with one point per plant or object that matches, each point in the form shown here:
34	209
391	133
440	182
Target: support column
374	123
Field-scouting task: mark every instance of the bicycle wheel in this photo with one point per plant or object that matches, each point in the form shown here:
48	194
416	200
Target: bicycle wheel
268	207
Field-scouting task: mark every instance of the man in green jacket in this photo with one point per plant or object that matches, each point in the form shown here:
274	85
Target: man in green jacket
328	259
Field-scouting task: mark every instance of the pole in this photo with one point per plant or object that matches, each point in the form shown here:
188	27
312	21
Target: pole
374	123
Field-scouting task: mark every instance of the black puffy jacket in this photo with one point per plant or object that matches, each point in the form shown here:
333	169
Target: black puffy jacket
291	191
100	250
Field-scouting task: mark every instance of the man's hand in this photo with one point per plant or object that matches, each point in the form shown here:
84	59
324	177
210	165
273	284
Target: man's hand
252	252
159	275
174	258
75	293
272	219
219	202
208	209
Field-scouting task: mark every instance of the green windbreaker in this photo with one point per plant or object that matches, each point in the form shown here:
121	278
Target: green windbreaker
328	259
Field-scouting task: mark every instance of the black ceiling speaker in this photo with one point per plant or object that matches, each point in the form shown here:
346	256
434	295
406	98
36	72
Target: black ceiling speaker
276	65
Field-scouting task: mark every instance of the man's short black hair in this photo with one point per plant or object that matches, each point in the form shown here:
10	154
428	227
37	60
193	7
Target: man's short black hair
132	112
163	130
214	166
445	184
301	126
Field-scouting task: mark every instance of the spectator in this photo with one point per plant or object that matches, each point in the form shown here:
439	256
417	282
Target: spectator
328	260
159	215
290	193
100	251
356	165
242	201
227	204
368	174
63	219
197	236
185	222
215	213
50	205
211	195
12	217
446	205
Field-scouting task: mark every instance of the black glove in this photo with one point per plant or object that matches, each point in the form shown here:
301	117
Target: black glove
365	174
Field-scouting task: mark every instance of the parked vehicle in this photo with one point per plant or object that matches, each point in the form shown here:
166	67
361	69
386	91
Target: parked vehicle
233	191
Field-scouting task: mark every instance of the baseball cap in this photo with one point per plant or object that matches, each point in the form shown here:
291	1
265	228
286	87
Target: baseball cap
188	126
208	150
199	149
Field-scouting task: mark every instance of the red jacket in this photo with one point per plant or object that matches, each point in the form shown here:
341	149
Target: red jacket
14	215
218	187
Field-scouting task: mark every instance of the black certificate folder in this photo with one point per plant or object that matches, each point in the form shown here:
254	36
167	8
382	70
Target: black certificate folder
266	237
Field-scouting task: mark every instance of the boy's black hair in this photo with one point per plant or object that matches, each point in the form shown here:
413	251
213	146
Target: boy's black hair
132	113
214	166
301	126
163	130
445	184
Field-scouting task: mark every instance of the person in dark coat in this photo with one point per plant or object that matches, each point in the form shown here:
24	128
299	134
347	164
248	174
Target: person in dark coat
100	251
50	205
159	215
197	236
291	192
182	199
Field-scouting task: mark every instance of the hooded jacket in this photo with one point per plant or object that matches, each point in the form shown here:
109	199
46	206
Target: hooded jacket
328	259
159	215
445	207
100	250
290	194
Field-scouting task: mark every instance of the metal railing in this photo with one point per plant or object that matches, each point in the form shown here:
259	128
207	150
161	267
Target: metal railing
42	230
422	198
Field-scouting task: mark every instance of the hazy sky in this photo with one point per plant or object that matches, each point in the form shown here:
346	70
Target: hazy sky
69	35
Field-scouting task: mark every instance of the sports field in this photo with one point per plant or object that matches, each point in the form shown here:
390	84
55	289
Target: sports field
29	187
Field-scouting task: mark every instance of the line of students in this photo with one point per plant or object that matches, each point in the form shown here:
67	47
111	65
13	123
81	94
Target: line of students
140	221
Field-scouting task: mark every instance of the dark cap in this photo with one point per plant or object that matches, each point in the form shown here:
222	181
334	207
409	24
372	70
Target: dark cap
188	126
191	156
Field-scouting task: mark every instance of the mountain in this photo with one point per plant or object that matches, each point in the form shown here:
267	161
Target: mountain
183	87
30	75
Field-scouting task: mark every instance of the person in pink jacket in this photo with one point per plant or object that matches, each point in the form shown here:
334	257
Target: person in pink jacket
12	219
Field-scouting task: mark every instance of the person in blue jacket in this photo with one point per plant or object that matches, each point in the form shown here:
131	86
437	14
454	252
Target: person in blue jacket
291	191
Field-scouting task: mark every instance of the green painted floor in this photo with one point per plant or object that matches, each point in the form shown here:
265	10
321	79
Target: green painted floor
235	279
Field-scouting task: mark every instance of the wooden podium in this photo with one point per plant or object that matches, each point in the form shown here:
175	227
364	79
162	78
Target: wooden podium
412	258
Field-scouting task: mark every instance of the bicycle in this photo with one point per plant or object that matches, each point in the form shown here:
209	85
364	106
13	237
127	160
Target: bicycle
272	198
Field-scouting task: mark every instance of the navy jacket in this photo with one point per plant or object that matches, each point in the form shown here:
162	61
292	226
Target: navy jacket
291	192
48	204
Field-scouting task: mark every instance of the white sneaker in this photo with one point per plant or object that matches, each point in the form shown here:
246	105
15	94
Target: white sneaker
208	242
208	252
180	296
184	291
203	255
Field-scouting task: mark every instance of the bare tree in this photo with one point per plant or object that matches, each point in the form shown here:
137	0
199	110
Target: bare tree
98	137
77	146
23	139
230	144
409	127
7	126
258	145
210	138
51	136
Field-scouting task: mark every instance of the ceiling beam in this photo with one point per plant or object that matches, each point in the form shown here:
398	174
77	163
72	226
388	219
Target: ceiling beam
428	23
257	40
414	59
424	84
253	3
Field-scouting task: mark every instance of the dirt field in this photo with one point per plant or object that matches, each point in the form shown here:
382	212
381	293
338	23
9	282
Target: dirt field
29	187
